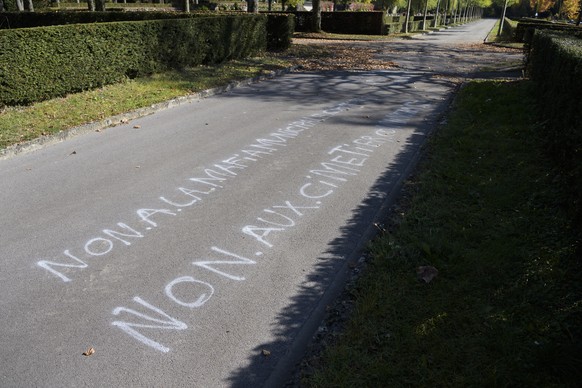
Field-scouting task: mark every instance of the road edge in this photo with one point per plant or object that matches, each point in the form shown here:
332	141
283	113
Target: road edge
44	141
287	371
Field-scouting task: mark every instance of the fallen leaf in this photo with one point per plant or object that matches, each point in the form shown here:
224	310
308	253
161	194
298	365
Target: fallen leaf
137	126
89	352
265	352
427	273
73	153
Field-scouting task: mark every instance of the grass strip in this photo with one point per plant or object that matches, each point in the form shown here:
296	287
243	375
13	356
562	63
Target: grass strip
21	124
505	309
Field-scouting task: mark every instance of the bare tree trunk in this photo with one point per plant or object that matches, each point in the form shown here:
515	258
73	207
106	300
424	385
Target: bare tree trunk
91	5
100	5
502	19
316	11
407	19
186	5
1	5
253	6
424	17
19	5
29	5
436	15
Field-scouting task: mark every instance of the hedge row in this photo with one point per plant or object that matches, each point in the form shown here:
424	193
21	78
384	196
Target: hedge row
358	23
11	20
508	28
46	62
525	29
364	23
279	26
556	68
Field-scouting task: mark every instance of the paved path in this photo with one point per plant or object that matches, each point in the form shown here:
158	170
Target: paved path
200	245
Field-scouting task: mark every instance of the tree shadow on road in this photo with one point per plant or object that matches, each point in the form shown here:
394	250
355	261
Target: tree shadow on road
296	324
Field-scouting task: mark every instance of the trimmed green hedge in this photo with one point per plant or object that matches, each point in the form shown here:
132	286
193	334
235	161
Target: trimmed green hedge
359	23
555	65
46	62
56	18
280	28
525	29
393	28
363	23
509	28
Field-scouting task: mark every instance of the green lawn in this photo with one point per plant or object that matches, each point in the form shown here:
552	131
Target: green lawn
506	306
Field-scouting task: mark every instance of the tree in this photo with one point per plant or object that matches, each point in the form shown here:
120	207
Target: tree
100	5
407	19
316	12
428	4
91	5
29	5
436	15
424	14
506	3
252	6
570	9
540	6
19	5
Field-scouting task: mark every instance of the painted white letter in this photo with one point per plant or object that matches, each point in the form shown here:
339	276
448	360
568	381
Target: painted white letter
240	260
114	233
46	264
145	214
128	327
203	298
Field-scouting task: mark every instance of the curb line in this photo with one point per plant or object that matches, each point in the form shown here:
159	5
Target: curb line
123	118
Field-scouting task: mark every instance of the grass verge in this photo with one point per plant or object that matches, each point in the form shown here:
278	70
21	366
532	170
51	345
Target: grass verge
506	306
21	124
505	39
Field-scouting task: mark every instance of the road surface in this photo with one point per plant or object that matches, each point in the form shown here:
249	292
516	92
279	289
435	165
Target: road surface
199	246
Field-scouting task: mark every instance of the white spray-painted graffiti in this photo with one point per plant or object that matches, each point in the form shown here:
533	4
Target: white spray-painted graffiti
342	162
212	179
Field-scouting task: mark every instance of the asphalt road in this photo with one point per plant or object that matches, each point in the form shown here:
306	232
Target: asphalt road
199	246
